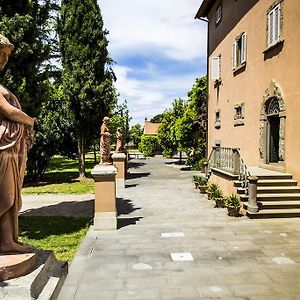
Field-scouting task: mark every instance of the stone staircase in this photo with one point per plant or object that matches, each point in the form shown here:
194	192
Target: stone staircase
278	195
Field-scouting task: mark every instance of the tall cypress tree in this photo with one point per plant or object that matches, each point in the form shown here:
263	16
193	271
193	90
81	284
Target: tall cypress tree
87	76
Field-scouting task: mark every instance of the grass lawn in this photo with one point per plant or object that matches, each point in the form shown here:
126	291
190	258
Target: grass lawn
62	235
61	178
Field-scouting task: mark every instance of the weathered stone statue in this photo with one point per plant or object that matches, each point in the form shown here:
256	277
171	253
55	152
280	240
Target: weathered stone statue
120	140
16	135
105	142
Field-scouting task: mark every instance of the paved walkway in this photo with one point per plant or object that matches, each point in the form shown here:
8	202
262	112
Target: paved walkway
161	215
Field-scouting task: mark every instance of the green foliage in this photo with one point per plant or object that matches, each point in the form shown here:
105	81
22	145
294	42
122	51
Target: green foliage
215	191
167	130
120	119
87	75
148	145
183	127
135	134
55	134
157	119
62	235
61	178
191	128
233	201
28	25
199	180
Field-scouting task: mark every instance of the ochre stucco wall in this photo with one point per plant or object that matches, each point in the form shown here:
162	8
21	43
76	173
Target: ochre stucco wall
249	85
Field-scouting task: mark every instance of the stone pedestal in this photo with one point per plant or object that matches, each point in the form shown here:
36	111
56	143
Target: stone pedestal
119	160
252	201
12	266
105	214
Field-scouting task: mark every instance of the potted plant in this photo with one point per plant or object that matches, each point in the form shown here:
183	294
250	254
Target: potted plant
195	180
217	196
211	187
200	183
233	205
202	164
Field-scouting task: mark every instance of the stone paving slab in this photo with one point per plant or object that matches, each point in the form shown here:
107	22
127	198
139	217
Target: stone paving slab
233	258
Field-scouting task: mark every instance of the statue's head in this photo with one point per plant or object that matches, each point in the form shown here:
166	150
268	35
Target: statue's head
106	120
4	42
5	49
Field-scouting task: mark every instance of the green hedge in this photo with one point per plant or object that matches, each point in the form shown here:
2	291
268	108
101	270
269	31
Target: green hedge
148	145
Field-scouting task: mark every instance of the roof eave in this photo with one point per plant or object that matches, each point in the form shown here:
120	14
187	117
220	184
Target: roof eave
204	9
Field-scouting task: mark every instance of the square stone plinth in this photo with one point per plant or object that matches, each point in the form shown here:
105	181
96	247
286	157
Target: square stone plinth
119	160
105	214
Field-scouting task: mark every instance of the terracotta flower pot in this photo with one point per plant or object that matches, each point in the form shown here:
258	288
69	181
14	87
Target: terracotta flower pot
202	188
233	211
220	202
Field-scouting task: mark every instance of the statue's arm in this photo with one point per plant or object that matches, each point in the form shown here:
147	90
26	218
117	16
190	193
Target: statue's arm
14	114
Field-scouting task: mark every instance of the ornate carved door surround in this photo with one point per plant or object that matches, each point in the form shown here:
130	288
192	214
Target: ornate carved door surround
272	108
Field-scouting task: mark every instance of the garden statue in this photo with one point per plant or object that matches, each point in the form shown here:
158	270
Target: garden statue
120	140
16	137
105	142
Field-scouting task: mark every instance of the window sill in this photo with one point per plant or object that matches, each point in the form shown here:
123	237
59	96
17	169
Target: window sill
274	45
239	122
218	125
239	69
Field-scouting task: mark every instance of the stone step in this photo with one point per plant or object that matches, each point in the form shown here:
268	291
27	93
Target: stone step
275	213
273	189
274	176
274	197
43	283
279	204
277	182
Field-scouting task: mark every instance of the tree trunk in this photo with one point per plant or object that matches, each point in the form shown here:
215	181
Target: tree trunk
180	157
81	155
95	154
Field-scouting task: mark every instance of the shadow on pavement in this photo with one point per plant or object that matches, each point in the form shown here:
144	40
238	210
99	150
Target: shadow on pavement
176	162
137	175
123	222
67	208
125	207
135	165
130	185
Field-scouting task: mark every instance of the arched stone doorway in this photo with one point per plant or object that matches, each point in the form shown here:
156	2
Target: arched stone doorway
272	126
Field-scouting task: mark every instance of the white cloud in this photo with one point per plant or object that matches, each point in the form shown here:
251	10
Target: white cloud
165	32
146	98
164	26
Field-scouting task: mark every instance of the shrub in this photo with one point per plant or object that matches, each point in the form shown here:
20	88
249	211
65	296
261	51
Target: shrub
215	191
199	180
148	145
233	201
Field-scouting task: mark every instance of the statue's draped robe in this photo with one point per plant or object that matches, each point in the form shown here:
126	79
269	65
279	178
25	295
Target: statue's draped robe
104	144
120	142
13	155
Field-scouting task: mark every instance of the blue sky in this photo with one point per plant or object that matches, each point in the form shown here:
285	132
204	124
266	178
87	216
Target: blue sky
159	49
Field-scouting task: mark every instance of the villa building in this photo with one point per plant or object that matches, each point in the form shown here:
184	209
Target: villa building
150	128
254	98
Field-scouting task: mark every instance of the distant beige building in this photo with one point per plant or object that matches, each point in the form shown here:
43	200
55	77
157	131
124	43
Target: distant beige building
150	128
254	94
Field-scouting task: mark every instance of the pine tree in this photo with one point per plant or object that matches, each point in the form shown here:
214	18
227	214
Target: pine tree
87	76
